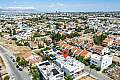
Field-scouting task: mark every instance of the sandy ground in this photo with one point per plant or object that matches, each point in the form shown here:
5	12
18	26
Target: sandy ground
18	50
87	78
21	51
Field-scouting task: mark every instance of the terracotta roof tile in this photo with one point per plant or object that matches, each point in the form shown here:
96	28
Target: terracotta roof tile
84	53
78	51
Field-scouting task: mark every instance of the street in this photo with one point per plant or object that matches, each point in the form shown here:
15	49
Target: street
97	75
14	73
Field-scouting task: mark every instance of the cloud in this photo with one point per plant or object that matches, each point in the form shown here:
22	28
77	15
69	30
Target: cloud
56	5
20	8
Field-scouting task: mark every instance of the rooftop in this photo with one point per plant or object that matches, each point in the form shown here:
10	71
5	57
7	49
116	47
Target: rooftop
50	71
70	63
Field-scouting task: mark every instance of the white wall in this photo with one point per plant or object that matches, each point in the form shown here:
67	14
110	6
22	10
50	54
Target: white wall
106	61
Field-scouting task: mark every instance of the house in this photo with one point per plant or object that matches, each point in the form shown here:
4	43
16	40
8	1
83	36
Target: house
116	44
78	51
101	61
78	43
33	45
99	49
107	42
85	53
74	49
49	71
71	66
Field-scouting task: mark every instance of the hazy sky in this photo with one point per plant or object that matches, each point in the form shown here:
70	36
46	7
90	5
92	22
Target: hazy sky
63	5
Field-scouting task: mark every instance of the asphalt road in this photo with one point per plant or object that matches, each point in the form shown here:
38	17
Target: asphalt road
14	73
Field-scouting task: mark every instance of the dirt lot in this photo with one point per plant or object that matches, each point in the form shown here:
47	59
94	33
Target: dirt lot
87	78
22	51
18	50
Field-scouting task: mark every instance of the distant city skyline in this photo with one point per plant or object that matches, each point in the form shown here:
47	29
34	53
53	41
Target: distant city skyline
62	5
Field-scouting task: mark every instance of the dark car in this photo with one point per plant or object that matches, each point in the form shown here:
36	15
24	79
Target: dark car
20	69
13	60
11	57
17	66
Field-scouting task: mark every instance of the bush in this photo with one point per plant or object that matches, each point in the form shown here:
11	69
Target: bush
18	59
19	44
98	68
0	34
69	77
86	63
92	66
26	44
104	71
35	73
99	39
111	66
44	58
7	77
14	39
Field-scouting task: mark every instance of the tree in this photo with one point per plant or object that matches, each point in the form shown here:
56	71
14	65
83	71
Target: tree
23	62
92	66
10	32
83	17
35	73
1	34
7	77
18	59
57	36
14	38
36	34
80	58
19	44
26	44
99	39
70	53
44	58
48	26
98	68
14	32
69	77
75	34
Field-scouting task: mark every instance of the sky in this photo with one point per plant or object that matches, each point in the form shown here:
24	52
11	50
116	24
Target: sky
63	5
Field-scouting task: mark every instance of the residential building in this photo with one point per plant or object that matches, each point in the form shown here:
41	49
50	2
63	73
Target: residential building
49	71
107	42
102	61
71	66
85	54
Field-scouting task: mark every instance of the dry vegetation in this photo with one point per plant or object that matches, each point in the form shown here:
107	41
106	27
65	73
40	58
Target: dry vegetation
3	68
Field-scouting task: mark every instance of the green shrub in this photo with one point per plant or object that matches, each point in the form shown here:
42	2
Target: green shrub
19	44
92	66
104	71
98	68
7	77
26	44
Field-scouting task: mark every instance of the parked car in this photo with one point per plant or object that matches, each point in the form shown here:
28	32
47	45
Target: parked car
13	60
20	69
17	66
